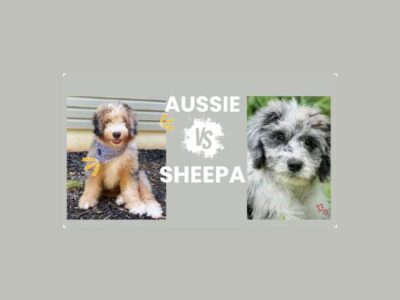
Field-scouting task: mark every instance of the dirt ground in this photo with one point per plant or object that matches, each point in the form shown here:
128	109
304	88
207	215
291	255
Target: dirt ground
150	160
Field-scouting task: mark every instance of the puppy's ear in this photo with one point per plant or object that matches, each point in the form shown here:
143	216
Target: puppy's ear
134	125
258	156
97	128
132	120
324	170
257	128
254	144
249	212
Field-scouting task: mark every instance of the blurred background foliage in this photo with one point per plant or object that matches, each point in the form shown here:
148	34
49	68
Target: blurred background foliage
322	102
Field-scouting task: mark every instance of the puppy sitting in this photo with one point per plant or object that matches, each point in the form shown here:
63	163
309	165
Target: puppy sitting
114	147
288	158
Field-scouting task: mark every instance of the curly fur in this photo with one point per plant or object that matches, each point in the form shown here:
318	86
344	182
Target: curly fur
288	158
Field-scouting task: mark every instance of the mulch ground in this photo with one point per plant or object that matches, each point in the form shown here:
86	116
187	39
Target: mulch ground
150	160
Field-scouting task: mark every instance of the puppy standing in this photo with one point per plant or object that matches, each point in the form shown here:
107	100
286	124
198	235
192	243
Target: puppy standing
288	158
114	146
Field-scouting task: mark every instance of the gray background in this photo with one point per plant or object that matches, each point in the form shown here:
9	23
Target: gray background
202	41
207	206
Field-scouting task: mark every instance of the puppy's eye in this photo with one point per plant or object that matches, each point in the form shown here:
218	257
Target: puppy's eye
108	121
310	143
280	137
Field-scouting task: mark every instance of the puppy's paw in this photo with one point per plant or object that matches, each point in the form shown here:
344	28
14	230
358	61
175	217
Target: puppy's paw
137	208
86	202
154	210
119	200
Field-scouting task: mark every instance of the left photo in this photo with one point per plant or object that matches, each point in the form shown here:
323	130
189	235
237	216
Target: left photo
115	150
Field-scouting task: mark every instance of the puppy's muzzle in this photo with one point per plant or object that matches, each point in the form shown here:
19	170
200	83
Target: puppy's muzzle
116	134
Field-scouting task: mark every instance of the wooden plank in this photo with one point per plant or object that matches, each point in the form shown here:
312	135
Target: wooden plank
87	114
82	102
87	124
164	100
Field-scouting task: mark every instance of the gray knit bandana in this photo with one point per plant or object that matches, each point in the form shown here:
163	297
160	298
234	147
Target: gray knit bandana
105	154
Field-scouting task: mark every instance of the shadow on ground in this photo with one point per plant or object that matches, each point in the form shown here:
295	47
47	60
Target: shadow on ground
150	161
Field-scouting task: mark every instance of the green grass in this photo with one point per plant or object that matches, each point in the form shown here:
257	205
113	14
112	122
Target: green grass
74	184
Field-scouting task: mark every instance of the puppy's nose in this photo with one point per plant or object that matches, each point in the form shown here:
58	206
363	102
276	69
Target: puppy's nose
116	134
294	165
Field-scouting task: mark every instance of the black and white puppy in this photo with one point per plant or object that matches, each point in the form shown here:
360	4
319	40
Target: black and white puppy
288	158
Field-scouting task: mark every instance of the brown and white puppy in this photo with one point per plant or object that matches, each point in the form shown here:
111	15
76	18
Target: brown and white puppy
115	127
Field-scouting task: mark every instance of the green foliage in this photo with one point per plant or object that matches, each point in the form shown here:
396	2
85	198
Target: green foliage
74	184
322	102
327	190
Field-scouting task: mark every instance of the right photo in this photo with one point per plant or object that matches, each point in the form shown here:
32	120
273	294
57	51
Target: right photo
288	157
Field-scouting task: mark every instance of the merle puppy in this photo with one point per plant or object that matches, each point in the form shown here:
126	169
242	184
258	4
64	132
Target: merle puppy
288	158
